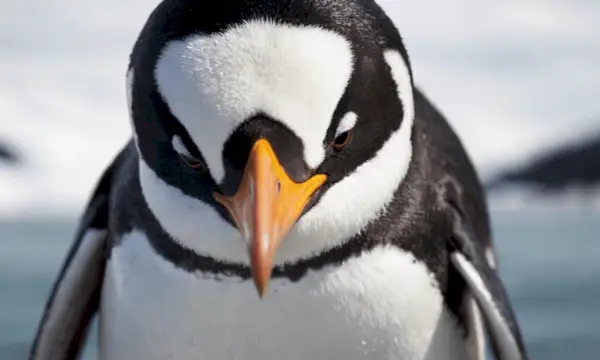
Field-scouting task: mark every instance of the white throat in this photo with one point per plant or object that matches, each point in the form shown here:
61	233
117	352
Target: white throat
221	79
380	305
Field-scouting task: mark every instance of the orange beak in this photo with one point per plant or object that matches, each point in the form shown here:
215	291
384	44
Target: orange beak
265	207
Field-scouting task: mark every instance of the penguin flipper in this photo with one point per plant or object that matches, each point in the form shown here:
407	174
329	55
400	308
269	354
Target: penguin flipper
467	255
75	296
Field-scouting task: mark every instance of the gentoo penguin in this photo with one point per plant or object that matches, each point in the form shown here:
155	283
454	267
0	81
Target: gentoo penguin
287	194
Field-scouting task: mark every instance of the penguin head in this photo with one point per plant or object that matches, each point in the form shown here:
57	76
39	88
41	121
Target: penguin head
269	132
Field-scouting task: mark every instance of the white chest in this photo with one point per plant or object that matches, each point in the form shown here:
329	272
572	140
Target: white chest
378	306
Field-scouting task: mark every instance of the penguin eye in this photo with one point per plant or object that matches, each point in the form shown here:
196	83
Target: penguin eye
190	161
185	156
344	132
342	140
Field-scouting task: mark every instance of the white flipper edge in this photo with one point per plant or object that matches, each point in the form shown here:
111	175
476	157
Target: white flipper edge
497	326
75	296
62	331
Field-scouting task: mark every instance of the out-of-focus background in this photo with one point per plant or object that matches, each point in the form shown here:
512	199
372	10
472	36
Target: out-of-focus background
519	82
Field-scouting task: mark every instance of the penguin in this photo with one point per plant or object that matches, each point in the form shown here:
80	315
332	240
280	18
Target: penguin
288	193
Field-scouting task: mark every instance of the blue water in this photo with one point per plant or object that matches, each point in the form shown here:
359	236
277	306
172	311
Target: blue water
550	262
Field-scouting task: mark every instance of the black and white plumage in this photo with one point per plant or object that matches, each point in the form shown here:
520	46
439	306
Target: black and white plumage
281	146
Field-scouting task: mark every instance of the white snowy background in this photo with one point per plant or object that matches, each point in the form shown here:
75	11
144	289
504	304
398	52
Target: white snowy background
514	77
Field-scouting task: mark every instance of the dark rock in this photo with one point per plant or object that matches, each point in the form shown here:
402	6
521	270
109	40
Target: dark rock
576	164
7	155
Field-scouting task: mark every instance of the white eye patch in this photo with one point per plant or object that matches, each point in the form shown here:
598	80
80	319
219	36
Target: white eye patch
346	124
179	146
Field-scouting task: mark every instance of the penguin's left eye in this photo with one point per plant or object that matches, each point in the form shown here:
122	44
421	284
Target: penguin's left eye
344	131
342	140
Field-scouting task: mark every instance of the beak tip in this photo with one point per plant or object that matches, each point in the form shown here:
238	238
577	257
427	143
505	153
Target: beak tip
261	288
261	294
262	265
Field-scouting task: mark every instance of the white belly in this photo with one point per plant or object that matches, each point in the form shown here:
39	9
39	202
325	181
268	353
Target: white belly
378	306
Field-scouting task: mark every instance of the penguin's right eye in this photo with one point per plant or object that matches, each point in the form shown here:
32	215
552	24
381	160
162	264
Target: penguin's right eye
185	156
190	161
